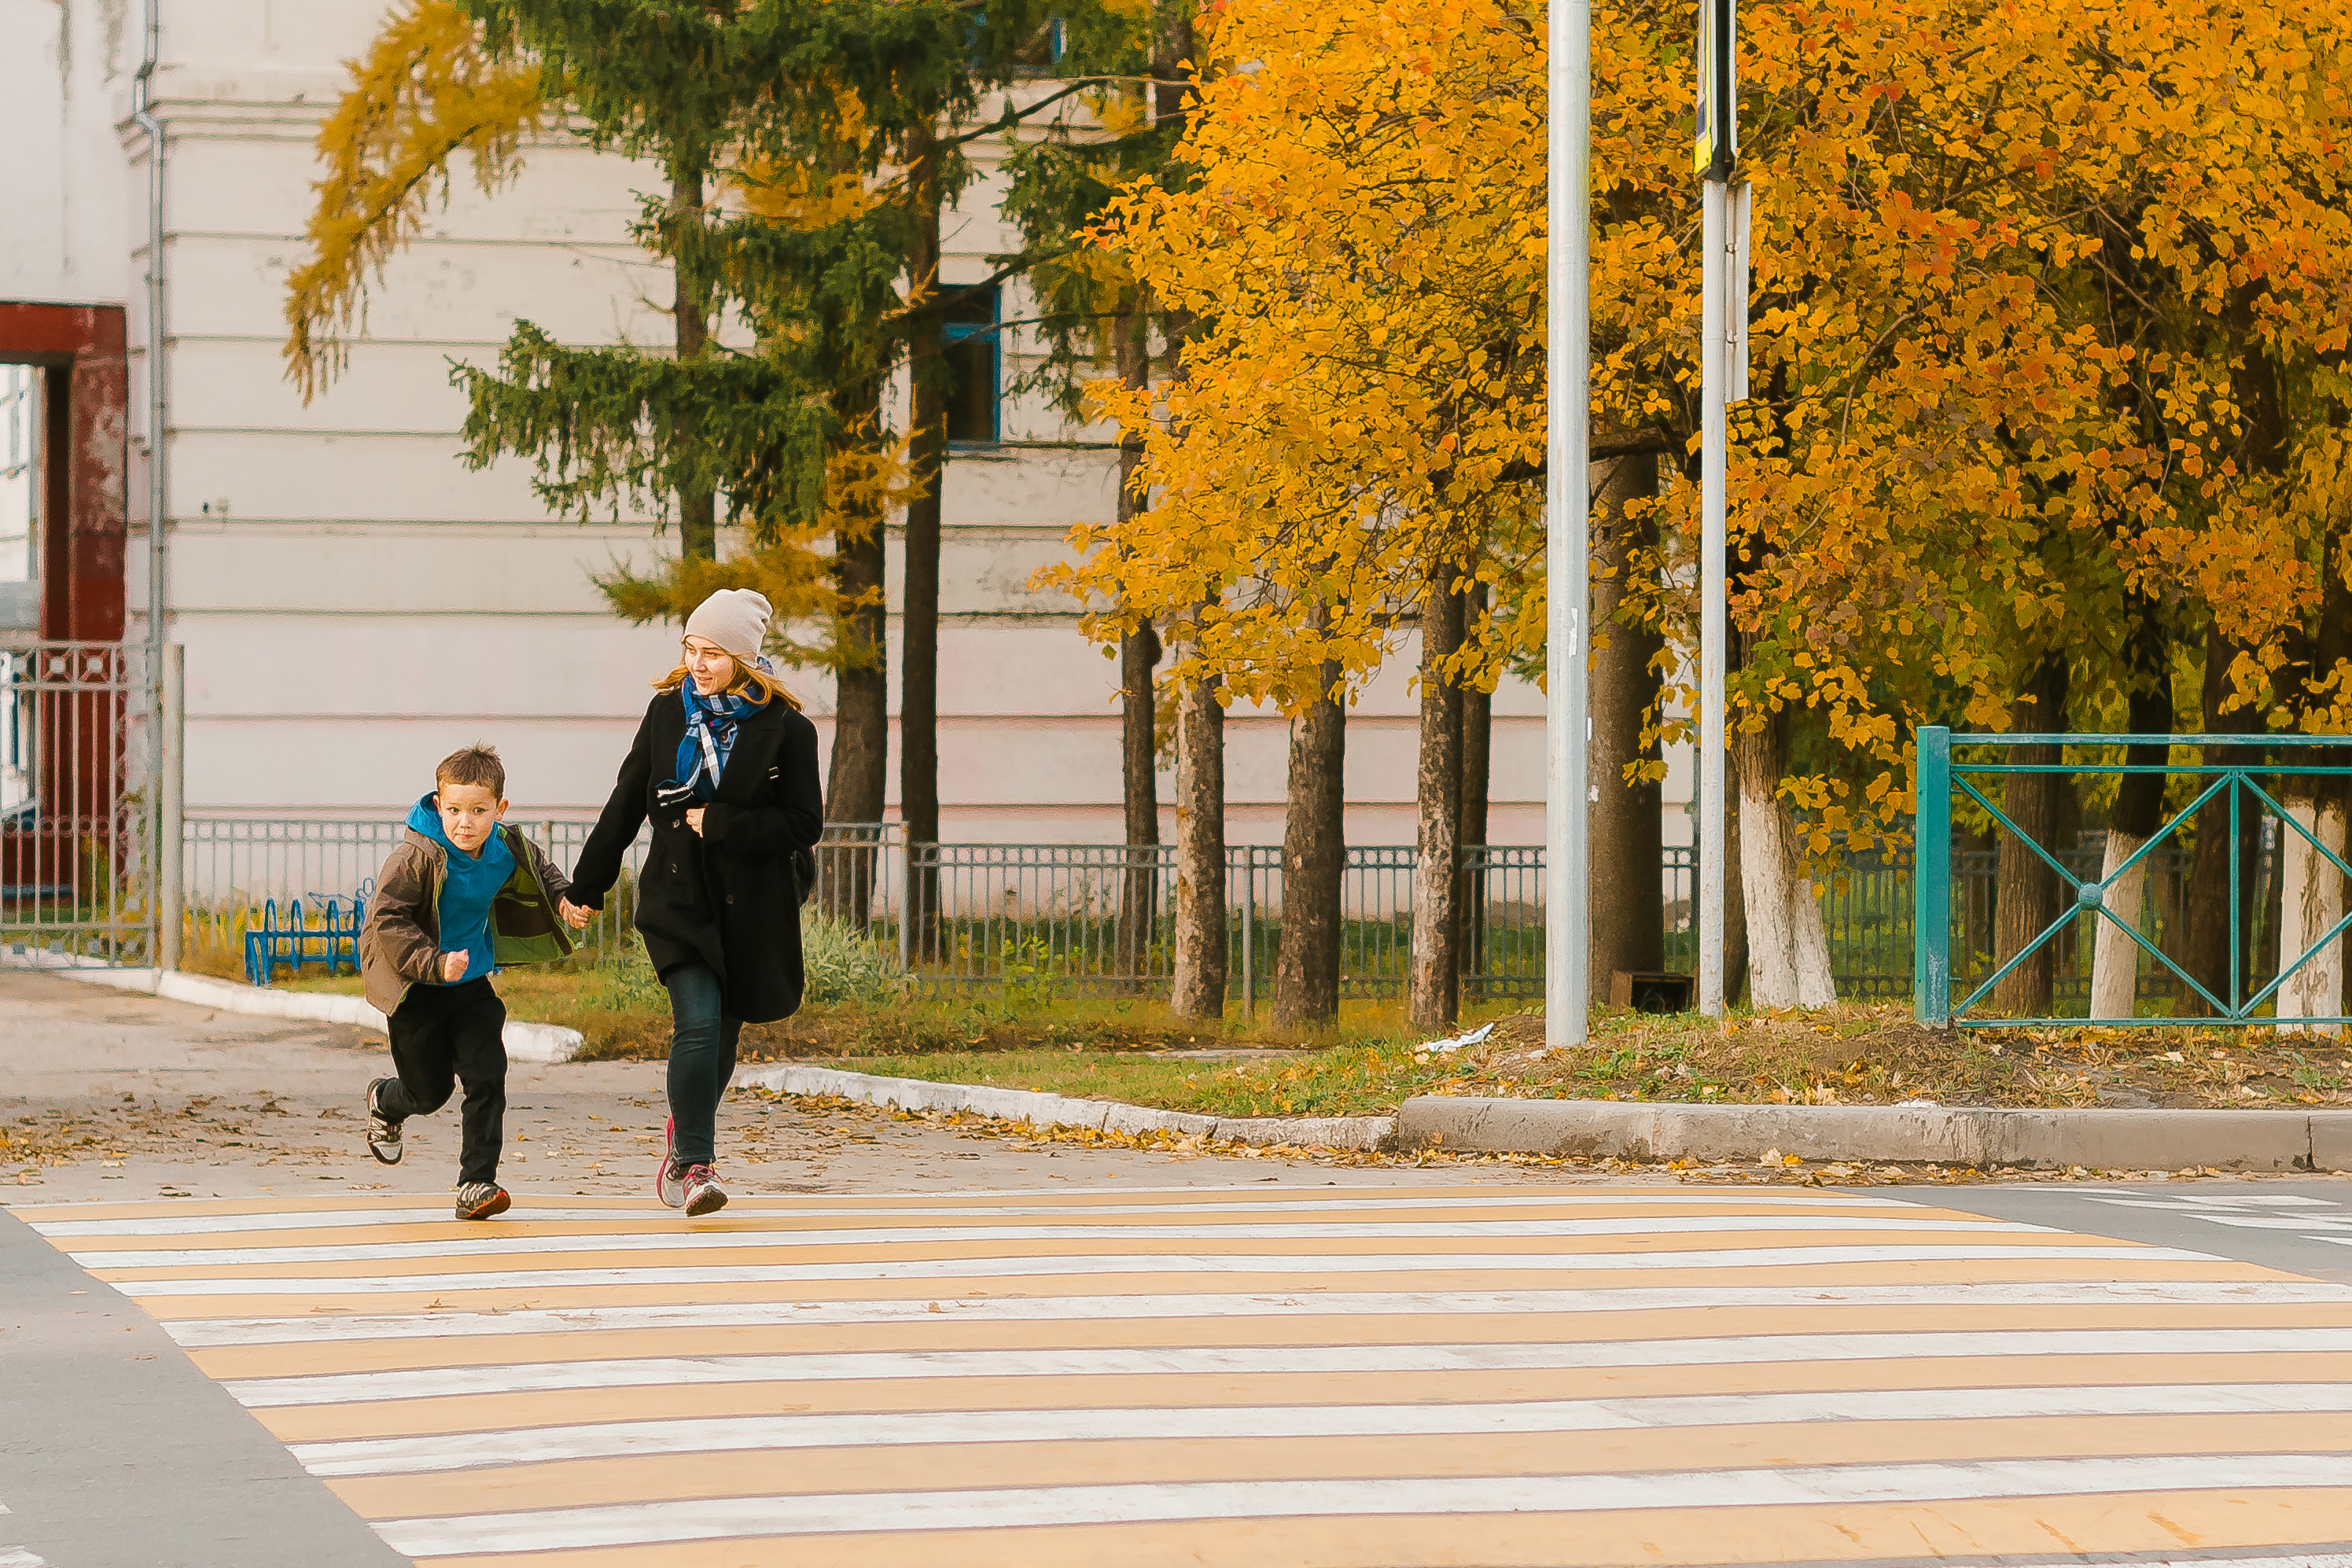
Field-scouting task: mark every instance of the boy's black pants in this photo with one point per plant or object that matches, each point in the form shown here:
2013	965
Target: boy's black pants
442	1035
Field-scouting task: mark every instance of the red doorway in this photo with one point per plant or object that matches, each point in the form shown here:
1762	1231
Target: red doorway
68	837
85	456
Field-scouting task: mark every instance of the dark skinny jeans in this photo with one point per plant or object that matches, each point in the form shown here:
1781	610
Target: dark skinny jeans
701	1057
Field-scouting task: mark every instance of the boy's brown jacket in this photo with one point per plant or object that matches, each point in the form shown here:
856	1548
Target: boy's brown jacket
400	945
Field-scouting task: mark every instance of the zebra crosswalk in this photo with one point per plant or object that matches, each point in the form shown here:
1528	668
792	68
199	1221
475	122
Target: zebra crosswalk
1337	1378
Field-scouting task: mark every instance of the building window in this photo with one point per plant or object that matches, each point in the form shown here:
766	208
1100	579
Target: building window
20	468
974	357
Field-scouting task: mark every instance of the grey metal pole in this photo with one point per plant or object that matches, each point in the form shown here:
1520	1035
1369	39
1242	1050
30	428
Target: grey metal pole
1713	816
1249	931
1568	521
143	115
171	833
905	889
161	749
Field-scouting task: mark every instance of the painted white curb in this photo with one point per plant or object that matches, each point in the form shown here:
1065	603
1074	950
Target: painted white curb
1060	1111
544	1043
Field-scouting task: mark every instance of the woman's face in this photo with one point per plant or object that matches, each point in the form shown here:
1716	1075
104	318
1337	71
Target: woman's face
712	666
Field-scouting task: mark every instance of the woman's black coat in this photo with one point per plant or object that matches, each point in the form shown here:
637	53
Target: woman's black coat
725	898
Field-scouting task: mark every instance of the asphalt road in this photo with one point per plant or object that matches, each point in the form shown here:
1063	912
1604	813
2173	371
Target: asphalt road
110	1460
1242	1376
116	1448
2302	1226
116	1452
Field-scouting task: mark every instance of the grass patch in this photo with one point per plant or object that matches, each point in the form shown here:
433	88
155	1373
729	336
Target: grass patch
1853	1054
1134	1049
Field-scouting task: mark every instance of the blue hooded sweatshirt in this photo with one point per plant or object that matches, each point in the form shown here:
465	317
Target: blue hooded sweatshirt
466	890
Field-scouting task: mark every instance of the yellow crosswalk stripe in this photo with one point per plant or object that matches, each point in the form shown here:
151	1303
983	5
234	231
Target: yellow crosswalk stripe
1194	1377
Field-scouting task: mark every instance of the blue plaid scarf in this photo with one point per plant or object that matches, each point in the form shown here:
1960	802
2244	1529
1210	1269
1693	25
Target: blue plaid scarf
710	740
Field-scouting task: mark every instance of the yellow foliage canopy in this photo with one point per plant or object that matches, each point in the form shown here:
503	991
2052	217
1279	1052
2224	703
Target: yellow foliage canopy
2050	305
425	92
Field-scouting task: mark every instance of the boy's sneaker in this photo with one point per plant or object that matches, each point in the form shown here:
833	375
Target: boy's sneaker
703	1194
383	1132
670	1176
480	1200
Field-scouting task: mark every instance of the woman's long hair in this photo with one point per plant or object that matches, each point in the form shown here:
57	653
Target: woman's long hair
749	677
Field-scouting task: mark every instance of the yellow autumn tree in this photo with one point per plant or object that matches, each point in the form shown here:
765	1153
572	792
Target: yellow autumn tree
1354	396
1972	450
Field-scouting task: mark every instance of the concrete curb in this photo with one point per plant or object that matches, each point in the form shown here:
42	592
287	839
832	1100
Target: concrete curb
538	1043
2102	1140
1592	1128
1061	1110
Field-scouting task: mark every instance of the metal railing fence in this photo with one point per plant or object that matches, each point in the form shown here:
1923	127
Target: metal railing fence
1035	921
1031	922
2237	796
234	867
78	794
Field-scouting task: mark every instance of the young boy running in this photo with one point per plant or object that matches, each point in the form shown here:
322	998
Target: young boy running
459	897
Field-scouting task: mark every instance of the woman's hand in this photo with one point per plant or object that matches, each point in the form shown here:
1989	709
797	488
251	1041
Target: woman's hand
693	819
453	967
574	915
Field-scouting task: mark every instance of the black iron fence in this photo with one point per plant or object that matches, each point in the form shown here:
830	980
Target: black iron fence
1032	921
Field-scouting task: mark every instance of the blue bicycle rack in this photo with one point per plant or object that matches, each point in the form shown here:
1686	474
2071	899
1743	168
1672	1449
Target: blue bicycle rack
294	946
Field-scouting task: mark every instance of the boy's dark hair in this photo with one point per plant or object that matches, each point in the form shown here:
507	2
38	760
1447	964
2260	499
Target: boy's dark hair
474	764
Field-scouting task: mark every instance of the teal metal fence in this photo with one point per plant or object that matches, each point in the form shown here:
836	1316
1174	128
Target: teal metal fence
1949	894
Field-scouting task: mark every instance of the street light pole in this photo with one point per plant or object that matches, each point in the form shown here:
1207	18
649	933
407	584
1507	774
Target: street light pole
1566	524
1714	815
1723	379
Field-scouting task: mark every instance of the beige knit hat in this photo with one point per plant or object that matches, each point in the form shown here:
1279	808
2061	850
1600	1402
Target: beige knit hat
734	618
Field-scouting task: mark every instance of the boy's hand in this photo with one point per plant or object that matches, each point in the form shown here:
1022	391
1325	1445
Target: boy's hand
574	915
453	967
694	820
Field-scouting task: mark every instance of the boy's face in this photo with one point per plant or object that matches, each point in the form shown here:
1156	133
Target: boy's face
469	812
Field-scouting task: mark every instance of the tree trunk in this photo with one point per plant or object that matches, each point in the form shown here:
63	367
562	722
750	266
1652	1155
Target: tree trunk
698	508
1788	946
2210	908
1433	990
1478	760
1314	860
2025	889
2205	951
1735	910
1138	898
2139	812
1170	87
1626	837
858	768
1200	987
918	633
2312	893
2311	901
1138	662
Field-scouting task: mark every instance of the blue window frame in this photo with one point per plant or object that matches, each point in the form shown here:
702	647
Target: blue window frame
972	348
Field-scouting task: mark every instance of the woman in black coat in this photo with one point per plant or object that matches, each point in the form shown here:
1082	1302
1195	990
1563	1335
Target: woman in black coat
725	766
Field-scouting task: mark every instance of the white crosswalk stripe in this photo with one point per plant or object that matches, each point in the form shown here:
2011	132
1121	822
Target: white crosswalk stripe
1350	1377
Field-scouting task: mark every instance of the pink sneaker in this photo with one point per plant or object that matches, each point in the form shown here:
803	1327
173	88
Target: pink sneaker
670	1176
703	1194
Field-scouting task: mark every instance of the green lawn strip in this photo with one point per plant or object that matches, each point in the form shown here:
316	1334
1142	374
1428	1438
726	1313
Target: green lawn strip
322	985
1367	1064
1853	1055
